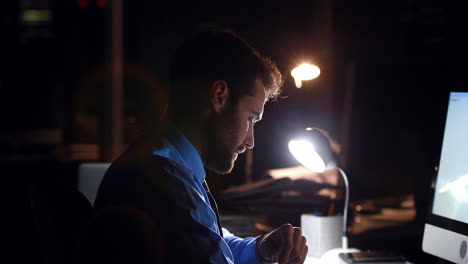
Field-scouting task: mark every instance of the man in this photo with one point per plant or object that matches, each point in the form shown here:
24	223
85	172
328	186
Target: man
156	188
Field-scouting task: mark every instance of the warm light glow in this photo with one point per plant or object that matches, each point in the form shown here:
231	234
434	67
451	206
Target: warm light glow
304	72
294	173
457	184
305	153
36	15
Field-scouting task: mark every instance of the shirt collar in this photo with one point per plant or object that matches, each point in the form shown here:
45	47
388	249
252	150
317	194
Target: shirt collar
183	152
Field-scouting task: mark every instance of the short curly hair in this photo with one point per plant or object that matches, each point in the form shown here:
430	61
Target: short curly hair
218	54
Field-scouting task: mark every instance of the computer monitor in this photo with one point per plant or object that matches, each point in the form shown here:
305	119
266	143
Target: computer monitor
446	227
90	175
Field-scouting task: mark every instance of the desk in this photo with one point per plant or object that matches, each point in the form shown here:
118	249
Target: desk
388	217
386	223
311	260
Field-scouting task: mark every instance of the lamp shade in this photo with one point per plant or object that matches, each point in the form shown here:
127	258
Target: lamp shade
312	149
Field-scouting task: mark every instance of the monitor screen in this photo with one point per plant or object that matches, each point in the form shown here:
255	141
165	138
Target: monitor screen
446	229
90	175
451	190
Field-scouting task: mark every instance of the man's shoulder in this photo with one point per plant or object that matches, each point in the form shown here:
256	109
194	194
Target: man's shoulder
146	163
127	170
152	176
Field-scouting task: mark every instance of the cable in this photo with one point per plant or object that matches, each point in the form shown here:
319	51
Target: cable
345	211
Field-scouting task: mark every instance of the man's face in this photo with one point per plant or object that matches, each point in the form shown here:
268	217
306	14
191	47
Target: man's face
231	132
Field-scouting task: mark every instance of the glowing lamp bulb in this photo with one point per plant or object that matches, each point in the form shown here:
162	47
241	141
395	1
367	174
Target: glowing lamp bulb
304	72
305	153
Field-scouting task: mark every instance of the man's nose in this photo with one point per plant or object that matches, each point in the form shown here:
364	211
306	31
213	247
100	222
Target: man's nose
249	141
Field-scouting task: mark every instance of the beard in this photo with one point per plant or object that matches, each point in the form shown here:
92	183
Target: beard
222	163
221	144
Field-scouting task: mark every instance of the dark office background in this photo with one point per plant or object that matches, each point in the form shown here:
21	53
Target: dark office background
386	68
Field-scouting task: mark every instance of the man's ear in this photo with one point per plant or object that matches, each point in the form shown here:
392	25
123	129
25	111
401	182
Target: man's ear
219	95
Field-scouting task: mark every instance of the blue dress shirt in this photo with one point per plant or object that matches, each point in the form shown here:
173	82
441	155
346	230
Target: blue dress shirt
177	148
161	176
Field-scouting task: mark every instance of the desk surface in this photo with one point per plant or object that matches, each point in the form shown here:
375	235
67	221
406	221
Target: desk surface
311	260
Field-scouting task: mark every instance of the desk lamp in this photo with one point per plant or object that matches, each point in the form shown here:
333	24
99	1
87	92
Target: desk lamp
312	149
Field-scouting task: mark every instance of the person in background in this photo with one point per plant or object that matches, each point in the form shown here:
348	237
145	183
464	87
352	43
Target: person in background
154	205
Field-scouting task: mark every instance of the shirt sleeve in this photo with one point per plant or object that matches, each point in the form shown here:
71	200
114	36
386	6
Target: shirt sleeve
243	249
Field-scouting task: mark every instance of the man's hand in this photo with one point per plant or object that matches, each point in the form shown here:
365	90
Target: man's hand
285	245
